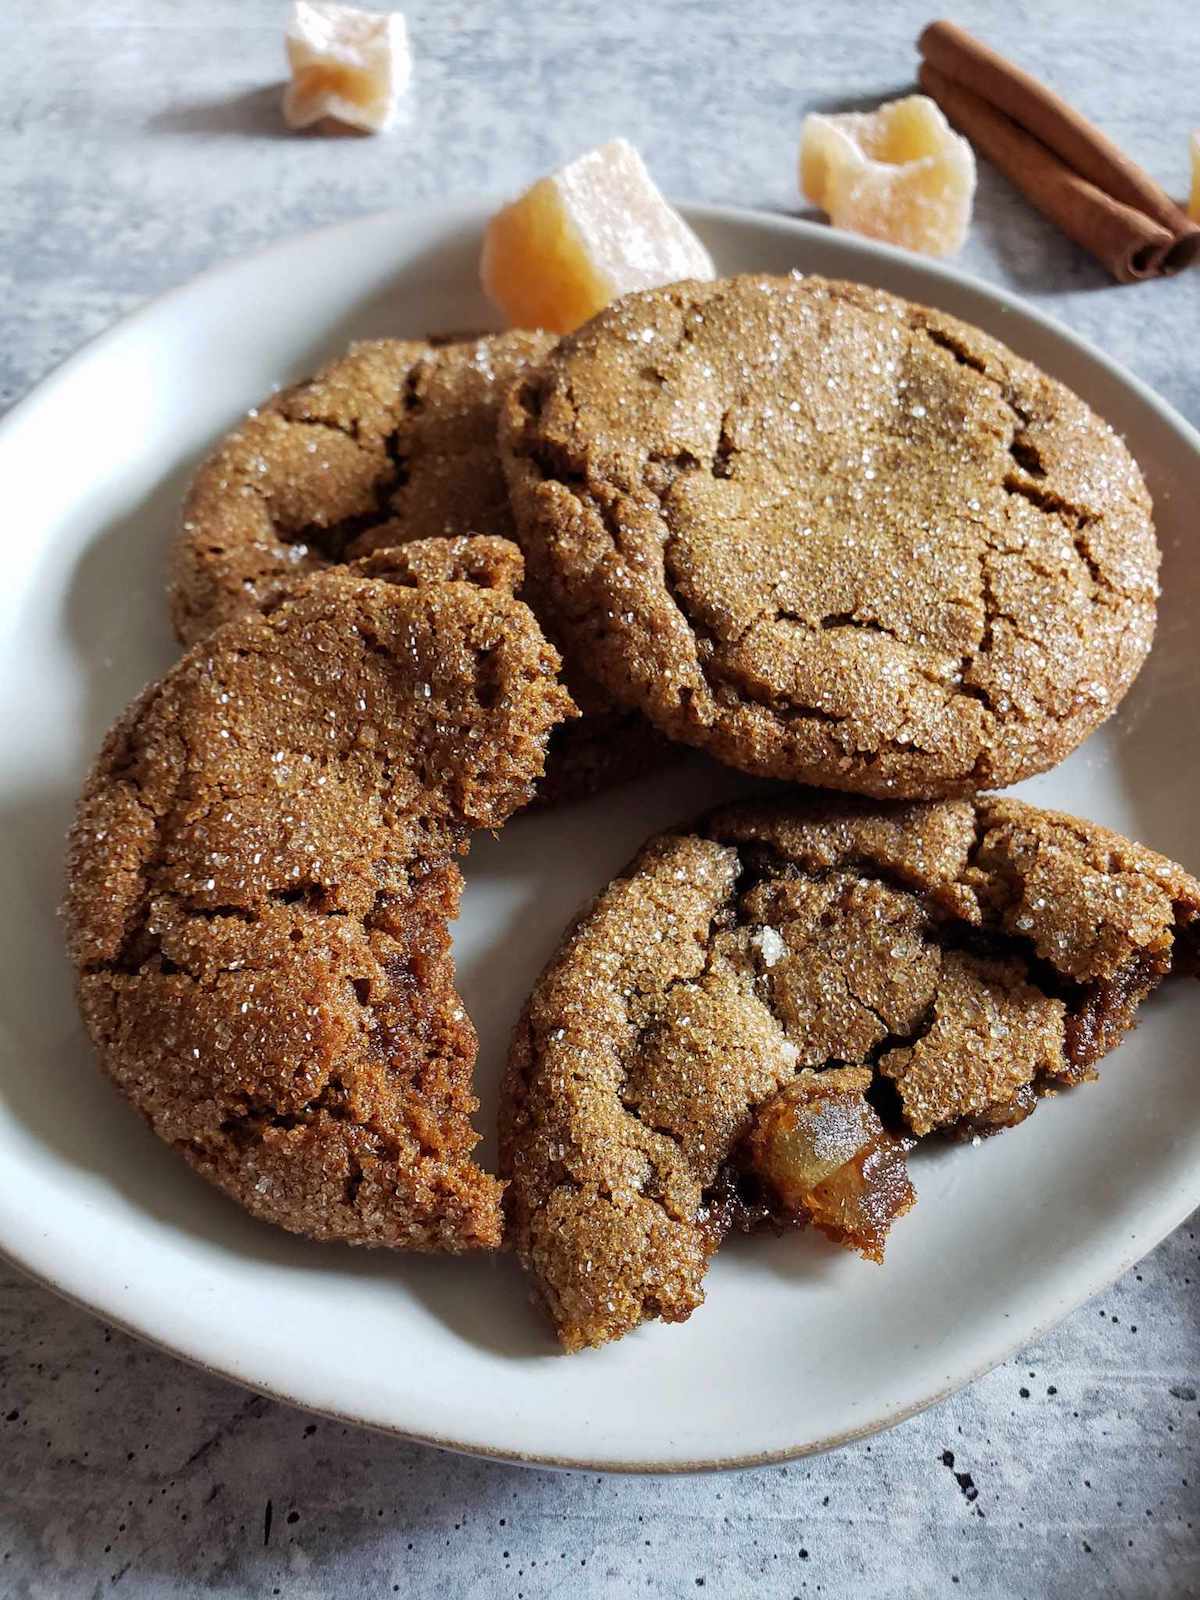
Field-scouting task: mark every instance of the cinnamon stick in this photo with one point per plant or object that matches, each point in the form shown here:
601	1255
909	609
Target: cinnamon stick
1073	173
1128	242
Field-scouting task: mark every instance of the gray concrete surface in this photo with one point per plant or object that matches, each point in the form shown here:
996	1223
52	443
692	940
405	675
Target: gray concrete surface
139	141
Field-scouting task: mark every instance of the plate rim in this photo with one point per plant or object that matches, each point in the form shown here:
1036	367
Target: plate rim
444	217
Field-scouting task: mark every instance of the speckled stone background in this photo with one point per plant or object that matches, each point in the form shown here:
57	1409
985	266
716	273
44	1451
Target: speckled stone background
139	141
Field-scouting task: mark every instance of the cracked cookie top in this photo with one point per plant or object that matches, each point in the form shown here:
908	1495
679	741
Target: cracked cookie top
260	877
395	440
832	536
933	965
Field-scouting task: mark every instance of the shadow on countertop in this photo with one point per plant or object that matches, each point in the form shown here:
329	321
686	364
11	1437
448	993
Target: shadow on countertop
254	111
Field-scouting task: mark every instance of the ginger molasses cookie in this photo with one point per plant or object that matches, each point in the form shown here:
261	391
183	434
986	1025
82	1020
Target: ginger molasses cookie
261	874
753	1023
831	536
588	753
394	441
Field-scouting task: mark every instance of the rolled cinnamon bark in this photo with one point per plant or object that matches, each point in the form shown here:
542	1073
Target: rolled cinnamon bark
1129	243
1071	171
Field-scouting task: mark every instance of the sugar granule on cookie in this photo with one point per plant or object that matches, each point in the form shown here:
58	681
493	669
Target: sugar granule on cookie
752	1024
831	536
261	875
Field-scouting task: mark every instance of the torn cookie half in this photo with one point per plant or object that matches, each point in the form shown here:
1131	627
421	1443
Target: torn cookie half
752	1024
261	875
392	441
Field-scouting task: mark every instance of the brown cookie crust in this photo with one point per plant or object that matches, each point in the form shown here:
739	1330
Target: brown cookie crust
486	562
832	536
260	877
971	954
391	443
605	746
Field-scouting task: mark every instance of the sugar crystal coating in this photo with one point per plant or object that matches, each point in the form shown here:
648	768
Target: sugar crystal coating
595	229
347	64
394	440
898	173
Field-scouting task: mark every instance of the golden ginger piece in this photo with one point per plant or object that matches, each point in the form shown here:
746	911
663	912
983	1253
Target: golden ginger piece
346	64
595	229
899	173
1194	202
824	1155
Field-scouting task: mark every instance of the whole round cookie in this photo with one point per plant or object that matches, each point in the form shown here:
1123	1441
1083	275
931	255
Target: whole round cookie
832	536
395	440
392	442
261	873
752	1024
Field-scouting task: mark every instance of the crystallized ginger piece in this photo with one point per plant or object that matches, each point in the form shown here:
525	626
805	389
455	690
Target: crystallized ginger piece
346	64
824	1154
1194	202
898	173
595	229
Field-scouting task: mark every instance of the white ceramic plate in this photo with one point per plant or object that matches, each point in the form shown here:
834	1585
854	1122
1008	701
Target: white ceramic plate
799	1346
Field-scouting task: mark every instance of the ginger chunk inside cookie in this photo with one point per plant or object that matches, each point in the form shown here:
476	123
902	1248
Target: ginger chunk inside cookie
262	871
752	1025
824	1155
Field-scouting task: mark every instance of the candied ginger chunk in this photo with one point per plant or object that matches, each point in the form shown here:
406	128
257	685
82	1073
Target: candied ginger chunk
595	229
823	1152
347	64
1194	202
898	173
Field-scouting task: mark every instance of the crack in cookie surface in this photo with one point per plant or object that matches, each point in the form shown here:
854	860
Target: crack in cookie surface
804	450
262	873
393	441
957	959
